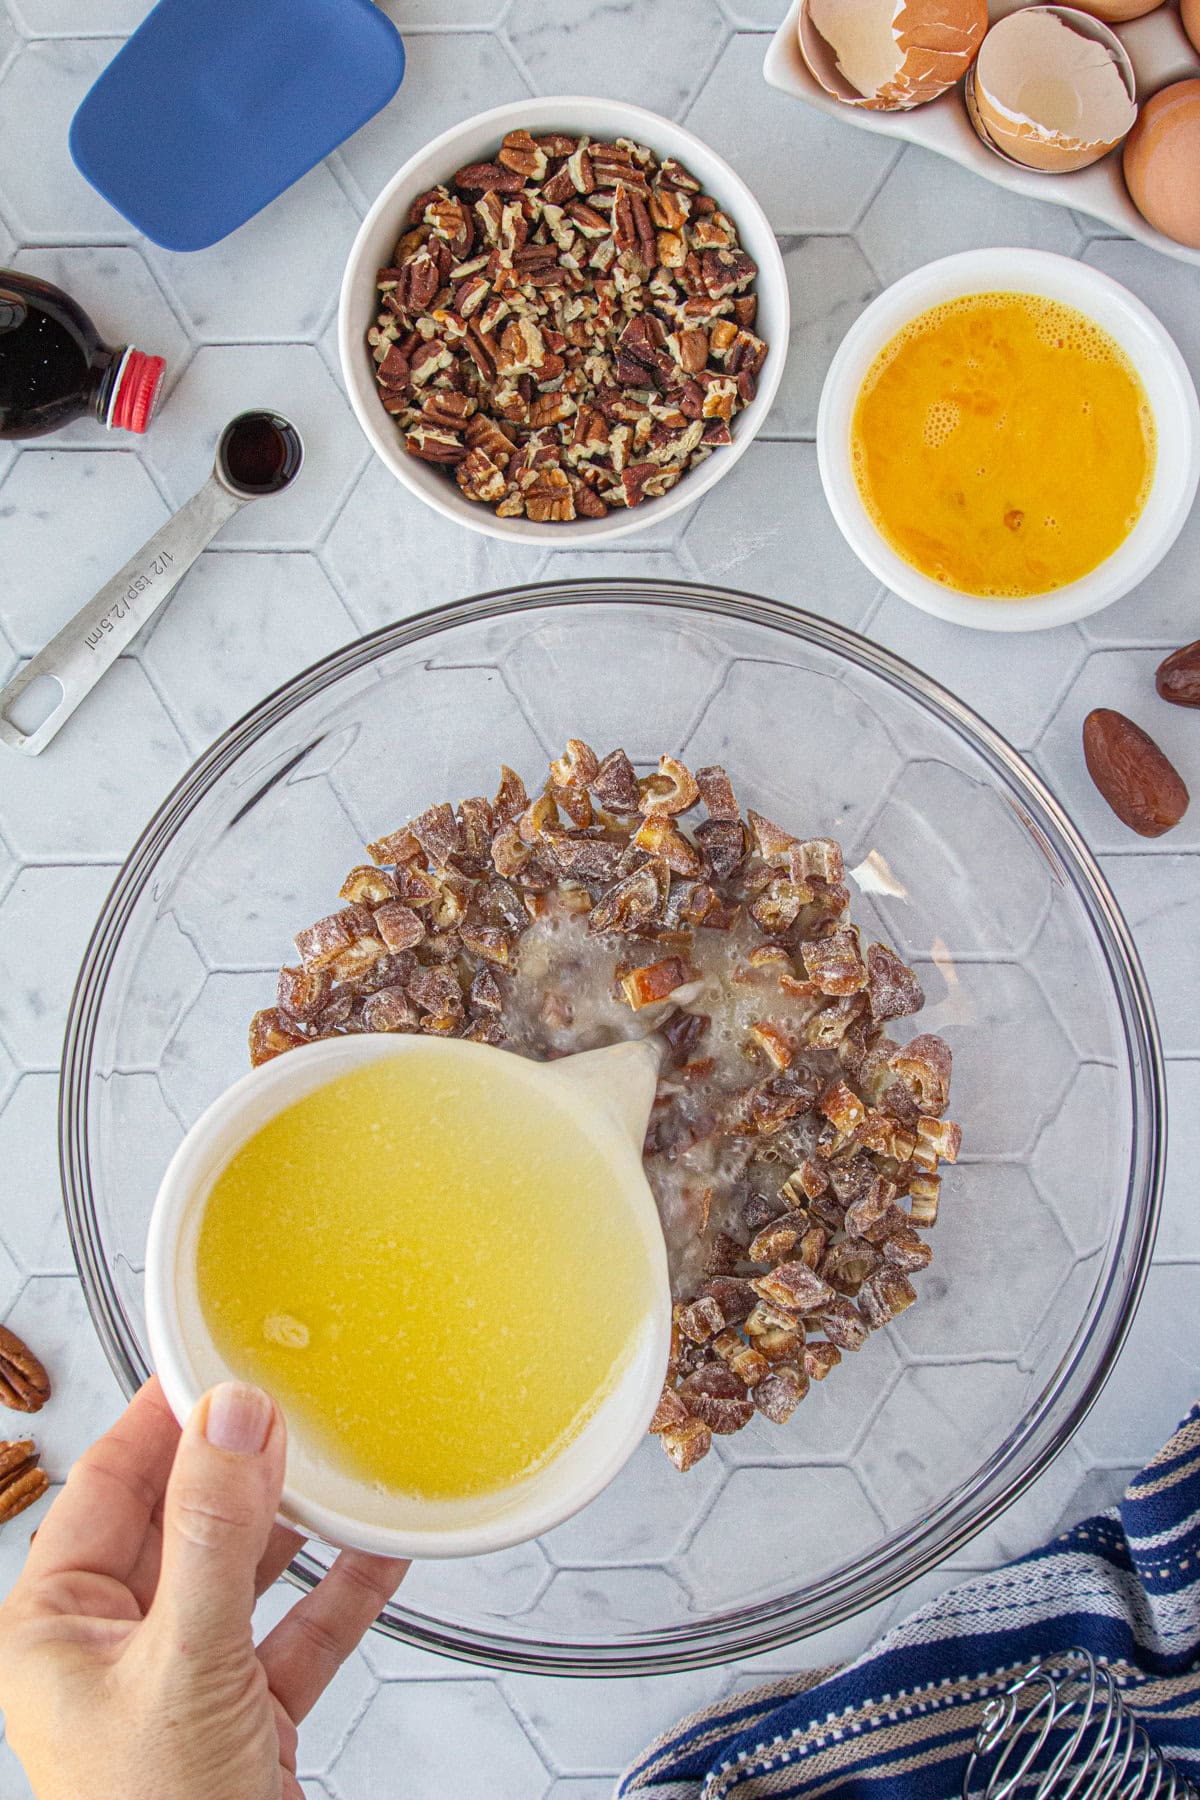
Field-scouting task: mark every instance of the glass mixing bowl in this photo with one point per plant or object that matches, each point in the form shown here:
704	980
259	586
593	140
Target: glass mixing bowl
961	860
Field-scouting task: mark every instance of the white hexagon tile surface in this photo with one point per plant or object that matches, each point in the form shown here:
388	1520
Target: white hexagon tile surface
250	322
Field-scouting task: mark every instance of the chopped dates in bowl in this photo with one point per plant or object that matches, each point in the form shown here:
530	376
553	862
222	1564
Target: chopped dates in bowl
567	329
793	1146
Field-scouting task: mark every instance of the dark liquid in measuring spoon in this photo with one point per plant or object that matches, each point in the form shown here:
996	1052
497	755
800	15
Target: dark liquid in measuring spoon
259	455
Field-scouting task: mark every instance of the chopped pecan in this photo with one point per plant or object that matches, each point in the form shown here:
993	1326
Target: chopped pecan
548	495
480	478
538	296
523	155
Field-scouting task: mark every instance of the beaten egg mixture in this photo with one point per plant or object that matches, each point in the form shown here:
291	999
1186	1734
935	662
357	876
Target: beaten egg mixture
1003	444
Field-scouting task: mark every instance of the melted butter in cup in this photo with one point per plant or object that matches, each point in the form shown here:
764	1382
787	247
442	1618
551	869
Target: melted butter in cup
445	1263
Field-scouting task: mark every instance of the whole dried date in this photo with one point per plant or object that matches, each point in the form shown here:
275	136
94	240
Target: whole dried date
1177	677
1146	792
24	1384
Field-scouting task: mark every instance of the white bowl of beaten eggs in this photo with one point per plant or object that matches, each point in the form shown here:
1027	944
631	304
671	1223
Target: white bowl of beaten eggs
999	460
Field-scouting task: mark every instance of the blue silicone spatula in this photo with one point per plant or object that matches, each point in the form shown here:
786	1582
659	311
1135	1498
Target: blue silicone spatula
214	107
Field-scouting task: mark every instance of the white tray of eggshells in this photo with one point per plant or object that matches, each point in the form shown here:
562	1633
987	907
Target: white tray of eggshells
1153	52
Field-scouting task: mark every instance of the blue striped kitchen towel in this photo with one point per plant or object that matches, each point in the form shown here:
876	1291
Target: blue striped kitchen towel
900	1722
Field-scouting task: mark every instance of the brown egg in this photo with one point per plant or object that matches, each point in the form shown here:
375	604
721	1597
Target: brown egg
1162	162
1052	89
1189	12
1115	12
868	53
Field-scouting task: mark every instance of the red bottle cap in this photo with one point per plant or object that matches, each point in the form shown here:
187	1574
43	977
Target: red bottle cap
136	392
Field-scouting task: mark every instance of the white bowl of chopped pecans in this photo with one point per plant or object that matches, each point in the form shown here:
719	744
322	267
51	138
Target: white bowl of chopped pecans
563	312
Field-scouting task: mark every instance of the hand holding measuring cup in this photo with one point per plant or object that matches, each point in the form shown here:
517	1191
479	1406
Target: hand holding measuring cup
259	453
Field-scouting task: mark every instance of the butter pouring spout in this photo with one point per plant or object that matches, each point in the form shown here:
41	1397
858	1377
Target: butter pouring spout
621	1078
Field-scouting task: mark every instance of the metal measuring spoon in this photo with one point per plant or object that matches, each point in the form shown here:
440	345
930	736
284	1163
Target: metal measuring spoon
259	453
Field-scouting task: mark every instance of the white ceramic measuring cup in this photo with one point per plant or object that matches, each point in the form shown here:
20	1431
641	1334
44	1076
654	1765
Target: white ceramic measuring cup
606	1095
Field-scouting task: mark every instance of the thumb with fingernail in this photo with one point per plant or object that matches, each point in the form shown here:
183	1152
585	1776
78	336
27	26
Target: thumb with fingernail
220	1505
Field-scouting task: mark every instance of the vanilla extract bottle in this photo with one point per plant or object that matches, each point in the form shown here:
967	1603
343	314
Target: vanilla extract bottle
55	367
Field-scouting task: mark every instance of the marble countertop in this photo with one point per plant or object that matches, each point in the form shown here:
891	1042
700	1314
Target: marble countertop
251	322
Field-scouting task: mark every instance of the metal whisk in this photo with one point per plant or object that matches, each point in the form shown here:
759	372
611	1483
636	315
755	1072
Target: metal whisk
1062	1731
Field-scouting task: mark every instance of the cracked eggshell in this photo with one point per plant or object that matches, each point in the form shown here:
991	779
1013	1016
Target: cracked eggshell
890	55
1052	89
1162	162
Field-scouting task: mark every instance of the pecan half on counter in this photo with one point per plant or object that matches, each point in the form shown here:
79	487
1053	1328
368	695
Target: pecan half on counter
793	1148
24	1383
567	329
22	1481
